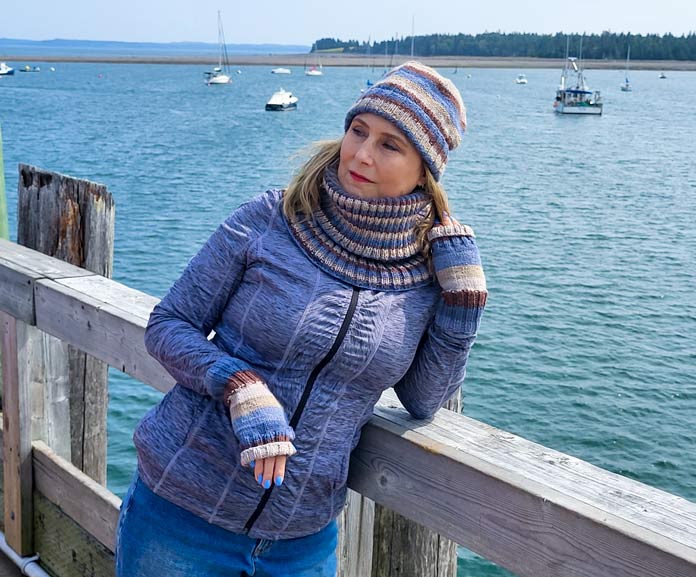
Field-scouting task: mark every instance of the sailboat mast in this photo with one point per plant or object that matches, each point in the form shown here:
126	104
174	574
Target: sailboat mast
628	56
220	40
564	74
413	24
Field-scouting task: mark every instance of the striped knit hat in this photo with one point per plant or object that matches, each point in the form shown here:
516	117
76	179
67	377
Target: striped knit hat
425	106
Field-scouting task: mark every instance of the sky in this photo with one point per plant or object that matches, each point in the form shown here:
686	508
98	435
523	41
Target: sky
304	21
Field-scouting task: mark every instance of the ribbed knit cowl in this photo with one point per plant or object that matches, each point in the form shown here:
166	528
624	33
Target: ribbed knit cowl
366	242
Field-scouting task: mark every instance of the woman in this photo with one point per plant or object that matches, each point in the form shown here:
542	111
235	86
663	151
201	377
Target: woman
353	280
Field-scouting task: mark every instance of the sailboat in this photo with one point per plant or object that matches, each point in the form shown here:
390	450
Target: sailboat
626	86
220	74
315	70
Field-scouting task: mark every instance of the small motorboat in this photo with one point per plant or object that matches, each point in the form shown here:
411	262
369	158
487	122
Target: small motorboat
521	79
6	70
281	71
282	100
662	76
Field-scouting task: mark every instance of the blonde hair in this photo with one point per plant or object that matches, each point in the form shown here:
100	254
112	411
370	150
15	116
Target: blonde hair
301	198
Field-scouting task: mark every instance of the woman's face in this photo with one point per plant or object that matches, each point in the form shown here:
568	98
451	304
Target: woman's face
377	160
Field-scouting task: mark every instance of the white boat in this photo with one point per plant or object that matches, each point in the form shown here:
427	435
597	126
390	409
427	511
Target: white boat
6	70
314	71
220	74
281	71
573	95
282	100
626	86
662	76
521	79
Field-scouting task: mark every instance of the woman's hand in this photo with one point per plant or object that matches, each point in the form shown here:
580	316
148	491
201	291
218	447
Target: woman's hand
270	471
447	220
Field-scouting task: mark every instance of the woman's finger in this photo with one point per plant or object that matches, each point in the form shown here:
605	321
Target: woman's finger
268	467
446	220
279	472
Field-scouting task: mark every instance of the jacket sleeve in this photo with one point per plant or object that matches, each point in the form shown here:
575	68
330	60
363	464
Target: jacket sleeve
439	366
178	328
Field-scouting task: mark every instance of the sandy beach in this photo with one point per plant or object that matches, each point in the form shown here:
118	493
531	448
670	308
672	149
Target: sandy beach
361	60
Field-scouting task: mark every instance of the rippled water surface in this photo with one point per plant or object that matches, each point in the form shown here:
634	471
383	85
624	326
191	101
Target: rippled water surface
585	226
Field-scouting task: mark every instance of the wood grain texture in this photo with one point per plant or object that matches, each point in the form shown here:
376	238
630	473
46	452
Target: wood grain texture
36	264
44	359
20	267
85	501
65	549
73	220
355	537
105	319
404	547
68	218
2	480
530	509
16	296
17	469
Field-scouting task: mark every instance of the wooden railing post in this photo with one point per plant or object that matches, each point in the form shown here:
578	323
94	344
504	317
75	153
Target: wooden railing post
403	548
376	541
72	220
4	227
17	469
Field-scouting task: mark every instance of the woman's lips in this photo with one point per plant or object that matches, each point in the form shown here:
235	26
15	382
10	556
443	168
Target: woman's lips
358	177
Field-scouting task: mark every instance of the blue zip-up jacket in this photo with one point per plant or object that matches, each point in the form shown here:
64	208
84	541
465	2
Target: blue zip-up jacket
273	310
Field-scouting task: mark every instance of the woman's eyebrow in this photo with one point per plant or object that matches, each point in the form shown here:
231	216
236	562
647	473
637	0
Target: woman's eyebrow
395	135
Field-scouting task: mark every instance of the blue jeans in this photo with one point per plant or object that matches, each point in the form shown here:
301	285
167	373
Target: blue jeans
156	538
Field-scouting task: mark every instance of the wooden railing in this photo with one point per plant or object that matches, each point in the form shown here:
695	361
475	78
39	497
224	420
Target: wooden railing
531	509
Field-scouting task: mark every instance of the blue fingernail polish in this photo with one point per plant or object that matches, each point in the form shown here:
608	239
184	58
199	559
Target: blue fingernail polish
267	484
252	464
260	479
279	481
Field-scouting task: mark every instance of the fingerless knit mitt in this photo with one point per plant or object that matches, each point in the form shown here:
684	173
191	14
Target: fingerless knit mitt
258	419
458	269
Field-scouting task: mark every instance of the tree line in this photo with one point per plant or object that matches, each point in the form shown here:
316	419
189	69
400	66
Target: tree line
604	46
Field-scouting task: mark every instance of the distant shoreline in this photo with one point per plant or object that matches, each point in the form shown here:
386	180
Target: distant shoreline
359	61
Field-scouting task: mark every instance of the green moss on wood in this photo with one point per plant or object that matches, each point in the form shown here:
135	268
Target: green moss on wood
64	548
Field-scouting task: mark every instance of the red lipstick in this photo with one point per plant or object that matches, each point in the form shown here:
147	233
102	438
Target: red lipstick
358	177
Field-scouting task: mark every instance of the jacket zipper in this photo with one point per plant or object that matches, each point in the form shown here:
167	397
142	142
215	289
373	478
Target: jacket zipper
307	391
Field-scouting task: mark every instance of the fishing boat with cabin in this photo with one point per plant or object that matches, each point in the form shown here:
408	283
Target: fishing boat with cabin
573	96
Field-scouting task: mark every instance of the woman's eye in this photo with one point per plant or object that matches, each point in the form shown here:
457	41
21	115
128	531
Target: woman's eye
358	131
390	146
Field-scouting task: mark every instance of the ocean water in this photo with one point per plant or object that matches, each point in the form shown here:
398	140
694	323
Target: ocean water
585	227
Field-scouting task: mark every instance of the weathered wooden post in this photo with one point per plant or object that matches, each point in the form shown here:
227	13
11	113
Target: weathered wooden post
72	220
375	541
4	227
17	475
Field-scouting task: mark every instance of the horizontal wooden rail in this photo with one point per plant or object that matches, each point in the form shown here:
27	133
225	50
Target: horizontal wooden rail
97	315
531	509
92	506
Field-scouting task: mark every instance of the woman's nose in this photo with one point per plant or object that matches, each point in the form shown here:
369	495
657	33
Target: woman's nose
364	153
